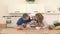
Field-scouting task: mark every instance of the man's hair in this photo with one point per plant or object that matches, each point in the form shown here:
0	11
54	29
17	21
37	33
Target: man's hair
25	15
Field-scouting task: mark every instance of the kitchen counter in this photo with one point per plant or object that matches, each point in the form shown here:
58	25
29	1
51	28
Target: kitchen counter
41	31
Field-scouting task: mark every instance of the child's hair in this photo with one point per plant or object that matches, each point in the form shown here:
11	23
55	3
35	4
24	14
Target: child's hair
39	17
25	15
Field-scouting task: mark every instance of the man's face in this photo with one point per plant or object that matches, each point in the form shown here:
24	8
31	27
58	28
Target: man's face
26	18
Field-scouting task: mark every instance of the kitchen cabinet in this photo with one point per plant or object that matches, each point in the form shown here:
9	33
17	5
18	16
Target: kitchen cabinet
26	8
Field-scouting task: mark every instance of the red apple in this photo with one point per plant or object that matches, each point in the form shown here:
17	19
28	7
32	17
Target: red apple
19	28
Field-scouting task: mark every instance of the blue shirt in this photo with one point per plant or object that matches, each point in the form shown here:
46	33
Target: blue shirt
21	21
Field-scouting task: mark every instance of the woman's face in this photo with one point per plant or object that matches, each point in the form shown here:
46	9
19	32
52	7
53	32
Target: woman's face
39	18
36	17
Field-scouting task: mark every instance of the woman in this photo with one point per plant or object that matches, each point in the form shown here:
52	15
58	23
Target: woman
40	20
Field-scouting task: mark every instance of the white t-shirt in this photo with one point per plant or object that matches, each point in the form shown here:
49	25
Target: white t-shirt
45	24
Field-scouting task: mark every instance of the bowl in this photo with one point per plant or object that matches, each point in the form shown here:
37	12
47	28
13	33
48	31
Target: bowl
33	26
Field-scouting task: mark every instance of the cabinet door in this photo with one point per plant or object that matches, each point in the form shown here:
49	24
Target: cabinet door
26	8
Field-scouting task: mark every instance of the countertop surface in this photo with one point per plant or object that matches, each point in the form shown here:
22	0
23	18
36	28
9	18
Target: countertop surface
15	31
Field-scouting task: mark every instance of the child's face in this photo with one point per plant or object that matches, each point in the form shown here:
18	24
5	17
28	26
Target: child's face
26	18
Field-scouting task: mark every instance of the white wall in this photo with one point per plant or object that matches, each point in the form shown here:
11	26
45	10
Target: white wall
51	5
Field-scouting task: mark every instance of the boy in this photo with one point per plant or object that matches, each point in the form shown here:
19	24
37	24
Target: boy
23	20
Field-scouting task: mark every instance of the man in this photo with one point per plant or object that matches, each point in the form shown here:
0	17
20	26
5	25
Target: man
23	20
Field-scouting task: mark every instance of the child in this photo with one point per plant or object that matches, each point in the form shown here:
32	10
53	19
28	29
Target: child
40	18
23	20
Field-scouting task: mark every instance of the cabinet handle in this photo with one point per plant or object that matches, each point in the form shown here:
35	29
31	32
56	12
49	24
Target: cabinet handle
17	11
35	11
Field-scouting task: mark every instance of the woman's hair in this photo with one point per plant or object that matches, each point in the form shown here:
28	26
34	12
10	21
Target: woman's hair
39	17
